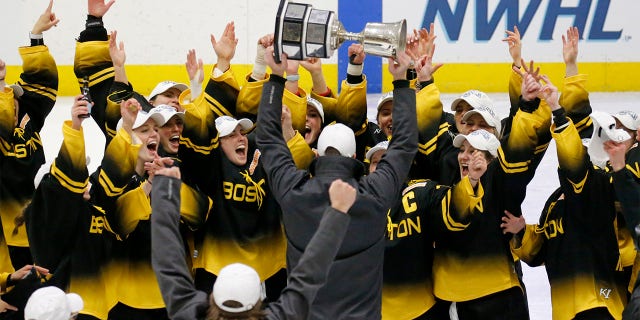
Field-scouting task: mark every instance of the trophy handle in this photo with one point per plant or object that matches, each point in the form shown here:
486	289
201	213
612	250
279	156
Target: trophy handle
277	43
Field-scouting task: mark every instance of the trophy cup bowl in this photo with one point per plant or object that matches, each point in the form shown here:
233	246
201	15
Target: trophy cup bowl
304	32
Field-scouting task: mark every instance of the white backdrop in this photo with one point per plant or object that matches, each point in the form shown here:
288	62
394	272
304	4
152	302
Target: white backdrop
161	31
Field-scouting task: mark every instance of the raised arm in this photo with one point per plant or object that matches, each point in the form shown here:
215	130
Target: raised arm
52	217
276	157
39	78
174	277
195	71
392	171
92	60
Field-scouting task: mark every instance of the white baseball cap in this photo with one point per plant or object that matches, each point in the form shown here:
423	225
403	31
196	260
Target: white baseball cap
604	129
628	119
238	283
479	139
316	105
166	112
166	85
383	145
225	125
141	118
337	136
474	98
51	303
487	114
384	98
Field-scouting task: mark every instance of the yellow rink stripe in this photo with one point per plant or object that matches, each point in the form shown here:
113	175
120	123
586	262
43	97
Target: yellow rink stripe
459	77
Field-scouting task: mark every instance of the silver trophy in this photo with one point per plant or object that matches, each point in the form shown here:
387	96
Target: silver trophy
304	32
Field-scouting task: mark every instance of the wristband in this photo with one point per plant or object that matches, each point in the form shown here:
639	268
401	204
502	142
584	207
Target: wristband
355	69
293	77
411	74
217	72
36	36
423	84
94	22
326	93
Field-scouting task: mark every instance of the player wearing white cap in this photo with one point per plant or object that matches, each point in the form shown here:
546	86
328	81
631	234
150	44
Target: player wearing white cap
576	238
354	286
122	186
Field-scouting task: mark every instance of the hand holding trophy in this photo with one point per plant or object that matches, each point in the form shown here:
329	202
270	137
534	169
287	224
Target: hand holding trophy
304	32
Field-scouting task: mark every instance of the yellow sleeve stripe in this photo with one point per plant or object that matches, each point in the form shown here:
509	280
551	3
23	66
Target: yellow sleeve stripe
99	76
446	217
514	167
584	124
68	183
38	89
362	129
541	148
110	132
577	187
431	145
216	107
200	149
109	189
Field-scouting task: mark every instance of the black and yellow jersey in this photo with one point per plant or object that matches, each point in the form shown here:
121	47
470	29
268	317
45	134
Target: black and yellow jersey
244	224
407	285
21	146
128	207
435	143
68	235
472	257
627	187
575	238
248	101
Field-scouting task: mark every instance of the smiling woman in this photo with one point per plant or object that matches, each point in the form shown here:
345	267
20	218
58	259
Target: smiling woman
233	138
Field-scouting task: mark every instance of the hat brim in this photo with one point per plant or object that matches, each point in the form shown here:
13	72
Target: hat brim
627	122
142	118
491	121
475	141
180	86
244	123
455	103
17	91
373	151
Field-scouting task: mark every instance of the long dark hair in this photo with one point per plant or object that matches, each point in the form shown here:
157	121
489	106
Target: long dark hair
215	313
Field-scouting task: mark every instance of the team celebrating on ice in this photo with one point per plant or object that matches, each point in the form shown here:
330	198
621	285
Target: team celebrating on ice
254	198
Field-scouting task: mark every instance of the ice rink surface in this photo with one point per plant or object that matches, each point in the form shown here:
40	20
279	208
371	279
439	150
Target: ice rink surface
544	182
